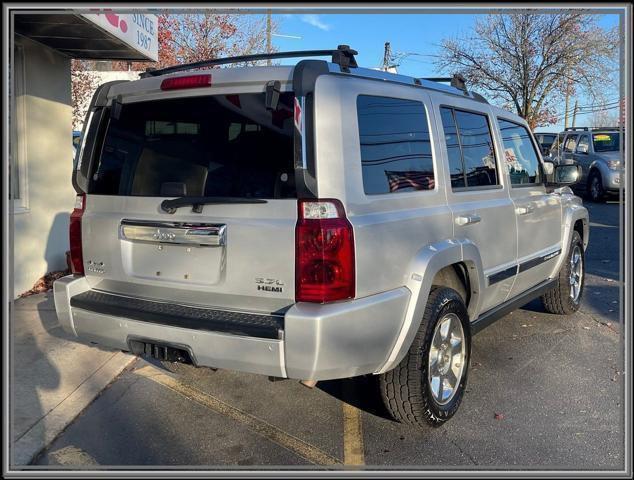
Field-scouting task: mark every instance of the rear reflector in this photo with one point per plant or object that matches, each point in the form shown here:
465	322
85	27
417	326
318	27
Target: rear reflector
190	81
76	255
324	252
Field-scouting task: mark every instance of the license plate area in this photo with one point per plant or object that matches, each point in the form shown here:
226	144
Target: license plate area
174	252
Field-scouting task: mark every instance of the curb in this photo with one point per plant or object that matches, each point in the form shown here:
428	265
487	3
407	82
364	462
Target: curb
40	435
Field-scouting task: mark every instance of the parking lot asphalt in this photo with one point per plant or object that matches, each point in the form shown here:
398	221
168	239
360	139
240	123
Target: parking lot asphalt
544	392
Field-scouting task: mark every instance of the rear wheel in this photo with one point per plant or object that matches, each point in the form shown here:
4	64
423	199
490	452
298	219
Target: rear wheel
565	298
595	187
426	387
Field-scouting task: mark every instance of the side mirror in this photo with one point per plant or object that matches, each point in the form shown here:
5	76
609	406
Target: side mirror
566	174
583	148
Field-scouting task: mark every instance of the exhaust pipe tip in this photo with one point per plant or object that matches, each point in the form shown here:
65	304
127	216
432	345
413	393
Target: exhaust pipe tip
308	383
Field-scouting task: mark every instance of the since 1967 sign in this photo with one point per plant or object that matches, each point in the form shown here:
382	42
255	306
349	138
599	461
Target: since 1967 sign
139	30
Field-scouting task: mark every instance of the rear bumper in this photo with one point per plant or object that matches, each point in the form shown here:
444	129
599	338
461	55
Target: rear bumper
318	342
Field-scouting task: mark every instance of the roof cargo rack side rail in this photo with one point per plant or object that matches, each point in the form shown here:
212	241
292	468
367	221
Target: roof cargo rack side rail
342	56
588	129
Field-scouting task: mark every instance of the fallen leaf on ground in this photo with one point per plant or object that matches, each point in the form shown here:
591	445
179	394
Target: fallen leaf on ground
45	283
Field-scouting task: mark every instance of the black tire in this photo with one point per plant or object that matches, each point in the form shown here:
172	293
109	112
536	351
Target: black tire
595	190
405	390
559	300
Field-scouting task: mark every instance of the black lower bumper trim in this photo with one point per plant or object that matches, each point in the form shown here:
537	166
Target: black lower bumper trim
195	318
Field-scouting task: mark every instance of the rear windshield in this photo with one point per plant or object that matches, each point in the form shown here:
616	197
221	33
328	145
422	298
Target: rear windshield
222	145
606	142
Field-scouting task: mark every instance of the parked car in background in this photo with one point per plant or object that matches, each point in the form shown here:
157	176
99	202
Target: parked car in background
546	140
597	150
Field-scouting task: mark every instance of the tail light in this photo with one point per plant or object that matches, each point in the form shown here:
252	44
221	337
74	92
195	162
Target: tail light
189	81
324	252
76	257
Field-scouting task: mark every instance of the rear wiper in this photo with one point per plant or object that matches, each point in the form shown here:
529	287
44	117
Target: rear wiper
197	203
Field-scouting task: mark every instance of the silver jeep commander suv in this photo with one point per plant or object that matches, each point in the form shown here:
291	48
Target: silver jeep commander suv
316	221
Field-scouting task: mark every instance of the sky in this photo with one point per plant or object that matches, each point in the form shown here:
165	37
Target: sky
419	34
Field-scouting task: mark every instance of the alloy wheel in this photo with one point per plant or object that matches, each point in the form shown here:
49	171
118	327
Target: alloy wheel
447	356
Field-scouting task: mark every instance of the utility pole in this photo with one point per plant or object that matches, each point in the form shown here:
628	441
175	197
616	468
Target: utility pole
574	114
387	57
567	100
268	35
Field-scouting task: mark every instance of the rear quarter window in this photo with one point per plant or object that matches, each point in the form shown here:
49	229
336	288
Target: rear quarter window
395	145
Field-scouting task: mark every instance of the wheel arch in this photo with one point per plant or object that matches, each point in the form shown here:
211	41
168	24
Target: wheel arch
430	265
575	218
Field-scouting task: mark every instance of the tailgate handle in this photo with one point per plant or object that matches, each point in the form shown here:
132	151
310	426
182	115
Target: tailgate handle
202	234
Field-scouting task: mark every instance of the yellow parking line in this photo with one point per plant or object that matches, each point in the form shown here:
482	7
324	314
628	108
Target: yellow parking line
353	453
299	447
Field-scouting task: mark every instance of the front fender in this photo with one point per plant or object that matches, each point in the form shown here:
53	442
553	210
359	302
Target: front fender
426	264
572	211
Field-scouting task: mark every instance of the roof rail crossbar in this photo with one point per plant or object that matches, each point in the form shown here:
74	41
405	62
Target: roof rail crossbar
456	81
343	56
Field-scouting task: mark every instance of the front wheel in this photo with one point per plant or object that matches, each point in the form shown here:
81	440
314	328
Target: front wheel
565	298
595	187
426	387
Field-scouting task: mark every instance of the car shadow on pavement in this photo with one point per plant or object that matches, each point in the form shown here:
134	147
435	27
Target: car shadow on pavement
597	299
51	324
362	392
32	376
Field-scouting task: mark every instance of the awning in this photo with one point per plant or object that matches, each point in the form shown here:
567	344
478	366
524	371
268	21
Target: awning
99	36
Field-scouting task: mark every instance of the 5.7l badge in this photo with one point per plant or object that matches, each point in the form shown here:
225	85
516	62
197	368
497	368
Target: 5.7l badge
269	285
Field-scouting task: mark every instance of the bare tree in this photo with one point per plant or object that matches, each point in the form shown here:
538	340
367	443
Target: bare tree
527	60
605	118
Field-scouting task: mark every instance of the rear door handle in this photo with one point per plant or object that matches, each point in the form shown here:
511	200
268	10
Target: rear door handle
467	219
526	210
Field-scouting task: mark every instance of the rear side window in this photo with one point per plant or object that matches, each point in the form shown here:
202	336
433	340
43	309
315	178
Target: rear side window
520	156
222	145
584	144
570	144
469	148
395	145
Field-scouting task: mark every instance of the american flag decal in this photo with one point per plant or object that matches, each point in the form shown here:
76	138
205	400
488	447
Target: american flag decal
413	179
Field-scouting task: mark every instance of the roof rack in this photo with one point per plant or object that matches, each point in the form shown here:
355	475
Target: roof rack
588	129
342	56
456	81
342	60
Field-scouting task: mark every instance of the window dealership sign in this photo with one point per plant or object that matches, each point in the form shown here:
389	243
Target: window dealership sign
138	30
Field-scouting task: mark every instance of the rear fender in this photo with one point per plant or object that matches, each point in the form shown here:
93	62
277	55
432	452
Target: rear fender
423	268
